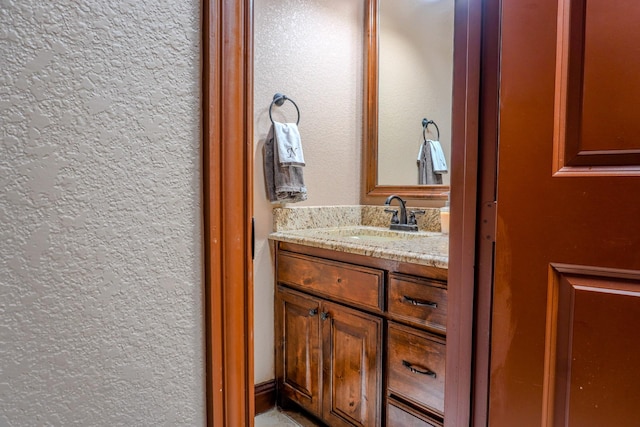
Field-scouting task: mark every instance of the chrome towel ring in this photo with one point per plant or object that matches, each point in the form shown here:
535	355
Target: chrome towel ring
279	99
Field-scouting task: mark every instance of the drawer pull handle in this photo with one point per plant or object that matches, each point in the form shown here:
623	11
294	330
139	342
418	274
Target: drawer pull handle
419	302
313	312
423	371
324	315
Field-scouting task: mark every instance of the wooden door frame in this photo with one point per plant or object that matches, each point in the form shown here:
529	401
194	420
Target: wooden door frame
465	208
227	138
227	105
487	202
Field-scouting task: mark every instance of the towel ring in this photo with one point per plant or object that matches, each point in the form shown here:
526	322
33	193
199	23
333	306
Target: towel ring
425	125
279	99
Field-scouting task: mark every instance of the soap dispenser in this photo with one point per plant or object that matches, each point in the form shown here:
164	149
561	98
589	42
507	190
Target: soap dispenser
444	217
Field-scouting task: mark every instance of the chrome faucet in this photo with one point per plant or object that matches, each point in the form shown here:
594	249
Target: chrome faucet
403	222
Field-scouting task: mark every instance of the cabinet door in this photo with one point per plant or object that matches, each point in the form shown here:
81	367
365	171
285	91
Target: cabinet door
298	348
351	352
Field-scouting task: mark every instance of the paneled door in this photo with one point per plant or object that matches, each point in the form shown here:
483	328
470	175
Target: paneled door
565	347
298	349
352	365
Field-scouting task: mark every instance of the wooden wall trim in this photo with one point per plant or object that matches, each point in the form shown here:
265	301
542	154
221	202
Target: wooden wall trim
211	214
227	209
265	396
466	99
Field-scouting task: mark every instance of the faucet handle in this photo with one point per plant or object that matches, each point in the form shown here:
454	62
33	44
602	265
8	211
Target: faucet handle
394	217
412	216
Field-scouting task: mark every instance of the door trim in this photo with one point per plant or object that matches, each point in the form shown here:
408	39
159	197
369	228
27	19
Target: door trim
227	150
464	202
227	105
486	221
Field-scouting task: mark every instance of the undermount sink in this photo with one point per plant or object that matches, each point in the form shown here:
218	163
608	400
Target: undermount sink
373	234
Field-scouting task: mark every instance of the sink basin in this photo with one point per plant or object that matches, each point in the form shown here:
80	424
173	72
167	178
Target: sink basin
371	234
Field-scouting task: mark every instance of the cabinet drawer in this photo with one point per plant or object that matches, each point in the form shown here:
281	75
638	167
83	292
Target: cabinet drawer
398	416
416	367
418	301
358	286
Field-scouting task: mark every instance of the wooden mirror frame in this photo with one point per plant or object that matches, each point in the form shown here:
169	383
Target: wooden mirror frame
371	191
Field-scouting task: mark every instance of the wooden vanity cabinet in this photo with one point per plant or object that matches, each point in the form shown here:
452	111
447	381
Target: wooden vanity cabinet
329	359
342	320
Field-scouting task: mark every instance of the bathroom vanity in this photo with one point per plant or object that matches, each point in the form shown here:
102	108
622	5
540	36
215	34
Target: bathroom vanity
361	325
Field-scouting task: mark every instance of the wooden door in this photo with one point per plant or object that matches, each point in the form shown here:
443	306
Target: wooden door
298	369
566	306
352	362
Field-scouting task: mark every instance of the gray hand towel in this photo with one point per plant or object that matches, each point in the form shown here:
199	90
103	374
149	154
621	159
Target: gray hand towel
426	175
284	183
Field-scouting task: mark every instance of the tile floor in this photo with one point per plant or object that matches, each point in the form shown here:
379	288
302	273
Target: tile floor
275	418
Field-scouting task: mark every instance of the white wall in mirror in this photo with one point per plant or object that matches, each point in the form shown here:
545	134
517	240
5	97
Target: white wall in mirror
415	81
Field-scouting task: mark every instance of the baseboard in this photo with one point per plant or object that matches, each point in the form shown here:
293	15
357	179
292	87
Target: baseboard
265	396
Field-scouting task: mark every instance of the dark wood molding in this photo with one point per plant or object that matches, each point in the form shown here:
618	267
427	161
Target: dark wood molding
227	149
464	202
370	98
265	396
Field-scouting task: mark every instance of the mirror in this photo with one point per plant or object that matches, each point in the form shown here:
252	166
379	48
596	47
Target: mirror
409	77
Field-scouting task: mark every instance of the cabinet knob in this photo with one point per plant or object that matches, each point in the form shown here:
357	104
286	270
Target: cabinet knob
313	312
324	315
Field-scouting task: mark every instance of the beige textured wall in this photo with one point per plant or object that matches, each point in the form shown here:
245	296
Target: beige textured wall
312	51
416	78
101	311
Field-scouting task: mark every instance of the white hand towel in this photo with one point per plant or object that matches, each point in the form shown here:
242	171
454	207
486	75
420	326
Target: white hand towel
289	144
437	157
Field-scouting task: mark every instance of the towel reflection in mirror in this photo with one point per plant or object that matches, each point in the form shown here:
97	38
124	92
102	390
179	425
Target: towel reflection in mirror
431	163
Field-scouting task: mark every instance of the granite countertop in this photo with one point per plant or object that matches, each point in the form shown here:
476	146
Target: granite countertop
358	230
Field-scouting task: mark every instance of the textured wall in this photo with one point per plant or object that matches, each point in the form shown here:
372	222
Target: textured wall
100	237
312	51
